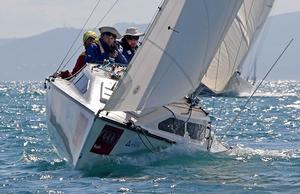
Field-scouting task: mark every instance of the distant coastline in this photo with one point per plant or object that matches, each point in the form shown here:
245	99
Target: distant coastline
36	57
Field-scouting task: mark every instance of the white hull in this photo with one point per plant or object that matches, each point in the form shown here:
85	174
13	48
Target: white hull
85	136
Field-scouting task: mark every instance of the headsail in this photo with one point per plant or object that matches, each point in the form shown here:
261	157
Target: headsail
175	53
239	39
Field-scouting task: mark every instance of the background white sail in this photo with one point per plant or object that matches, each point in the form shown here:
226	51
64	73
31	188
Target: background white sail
175	53
239	39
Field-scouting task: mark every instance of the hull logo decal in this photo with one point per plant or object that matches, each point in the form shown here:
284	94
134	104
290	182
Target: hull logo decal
107	140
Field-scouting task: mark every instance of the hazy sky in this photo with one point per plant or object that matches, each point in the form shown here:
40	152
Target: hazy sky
20	18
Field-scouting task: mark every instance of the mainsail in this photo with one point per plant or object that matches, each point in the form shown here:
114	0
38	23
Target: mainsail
175	53
240	37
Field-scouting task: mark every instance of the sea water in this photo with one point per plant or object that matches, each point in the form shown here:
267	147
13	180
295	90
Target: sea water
265	158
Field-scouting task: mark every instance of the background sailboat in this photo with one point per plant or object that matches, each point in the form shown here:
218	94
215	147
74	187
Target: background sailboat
224	73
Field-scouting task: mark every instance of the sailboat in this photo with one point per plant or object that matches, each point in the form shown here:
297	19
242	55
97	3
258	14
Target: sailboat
149	108
225	74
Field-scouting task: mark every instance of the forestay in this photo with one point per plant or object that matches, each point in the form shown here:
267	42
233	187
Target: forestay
239	39
175	53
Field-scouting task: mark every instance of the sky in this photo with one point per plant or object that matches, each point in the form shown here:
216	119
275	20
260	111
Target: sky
22	18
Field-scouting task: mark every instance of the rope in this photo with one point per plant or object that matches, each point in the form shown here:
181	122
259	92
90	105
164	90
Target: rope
170	112
100	21
73	75
190	114
144	142
248	100
72	45
147	138
131	123
186	133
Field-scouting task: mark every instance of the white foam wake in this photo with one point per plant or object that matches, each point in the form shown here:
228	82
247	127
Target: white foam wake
250	152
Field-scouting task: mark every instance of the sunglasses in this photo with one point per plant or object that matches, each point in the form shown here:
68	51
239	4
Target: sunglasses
132	37
110	34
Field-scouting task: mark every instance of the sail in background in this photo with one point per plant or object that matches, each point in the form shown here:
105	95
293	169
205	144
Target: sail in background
175	53
237	43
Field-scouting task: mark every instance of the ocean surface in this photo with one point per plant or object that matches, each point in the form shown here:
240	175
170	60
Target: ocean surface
265	157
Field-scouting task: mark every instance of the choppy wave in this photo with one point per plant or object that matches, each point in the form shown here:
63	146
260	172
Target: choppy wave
276	154
265	156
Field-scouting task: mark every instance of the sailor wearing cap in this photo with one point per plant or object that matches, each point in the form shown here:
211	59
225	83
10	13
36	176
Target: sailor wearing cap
130	42
106	48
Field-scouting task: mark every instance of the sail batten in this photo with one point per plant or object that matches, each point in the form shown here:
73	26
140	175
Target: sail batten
173	59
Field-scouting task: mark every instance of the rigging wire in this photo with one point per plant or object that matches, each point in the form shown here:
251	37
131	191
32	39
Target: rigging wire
106	13
248	100
100	21
78	35
75	52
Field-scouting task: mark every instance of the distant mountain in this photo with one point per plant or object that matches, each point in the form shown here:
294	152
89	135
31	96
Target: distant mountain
34	58
6	41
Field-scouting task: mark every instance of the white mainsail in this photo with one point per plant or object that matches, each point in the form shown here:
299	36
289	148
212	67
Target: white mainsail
175	53
239	39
